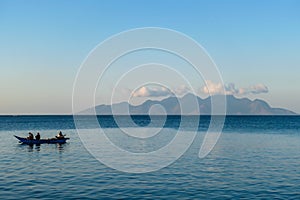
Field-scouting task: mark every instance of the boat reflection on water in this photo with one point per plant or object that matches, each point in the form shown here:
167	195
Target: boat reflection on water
39	147
30	148
60	147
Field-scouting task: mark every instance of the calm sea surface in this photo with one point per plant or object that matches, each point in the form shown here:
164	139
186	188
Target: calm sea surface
255	157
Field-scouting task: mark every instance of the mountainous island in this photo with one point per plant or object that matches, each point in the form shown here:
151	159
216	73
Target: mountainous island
171	106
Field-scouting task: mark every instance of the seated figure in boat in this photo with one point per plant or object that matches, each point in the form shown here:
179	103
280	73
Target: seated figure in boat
38	136
60	135
30	136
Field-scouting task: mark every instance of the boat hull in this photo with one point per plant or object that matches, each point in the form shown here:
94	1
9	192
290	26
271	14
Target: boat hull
42	141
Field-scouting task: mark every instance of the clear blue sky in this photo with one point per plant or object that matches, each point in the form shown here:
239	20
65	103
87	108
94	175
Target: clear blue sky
42	44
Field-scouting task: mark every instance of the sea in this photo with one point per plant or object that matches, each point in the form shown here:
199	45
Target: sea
256	157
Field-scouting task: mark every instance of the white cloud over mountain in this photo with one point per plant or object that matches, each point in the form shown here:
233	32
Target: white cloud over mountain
152	91
212	88
160	91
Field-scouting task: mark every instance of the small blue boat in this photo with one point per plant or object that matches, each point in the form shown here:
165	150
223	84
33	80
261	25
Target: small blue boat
42	141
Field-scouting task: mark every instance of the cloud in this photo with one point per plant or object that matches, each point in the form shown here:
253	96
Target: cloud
160	91
152	91
259	88
182	90
212	88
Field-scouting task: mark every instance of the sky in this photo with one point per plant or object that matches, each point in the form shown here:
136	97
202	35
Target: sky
255	45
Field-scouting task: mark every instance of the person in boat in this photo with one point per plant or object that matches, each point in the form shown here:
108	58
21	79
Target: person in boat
38	136
30	136
60	135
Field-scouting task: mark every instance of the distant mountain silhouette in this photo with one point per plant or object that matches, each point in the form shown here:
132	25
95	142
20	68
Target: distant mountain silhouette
171	106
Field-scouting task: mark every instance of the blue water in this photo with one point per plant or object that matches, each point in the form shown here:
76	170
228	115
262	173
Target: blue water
256	157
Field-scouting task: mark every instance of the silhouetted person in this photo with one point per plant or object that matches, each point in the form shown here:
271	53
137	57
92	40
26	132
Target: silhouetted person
60	135
30	137
38	136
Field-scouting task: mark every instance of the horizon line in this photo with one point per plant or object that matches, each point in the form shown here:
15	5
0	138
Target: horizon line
59	114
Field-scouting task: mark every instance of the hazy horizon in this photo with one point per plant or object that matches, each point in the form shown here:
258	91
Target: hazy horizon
141	103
